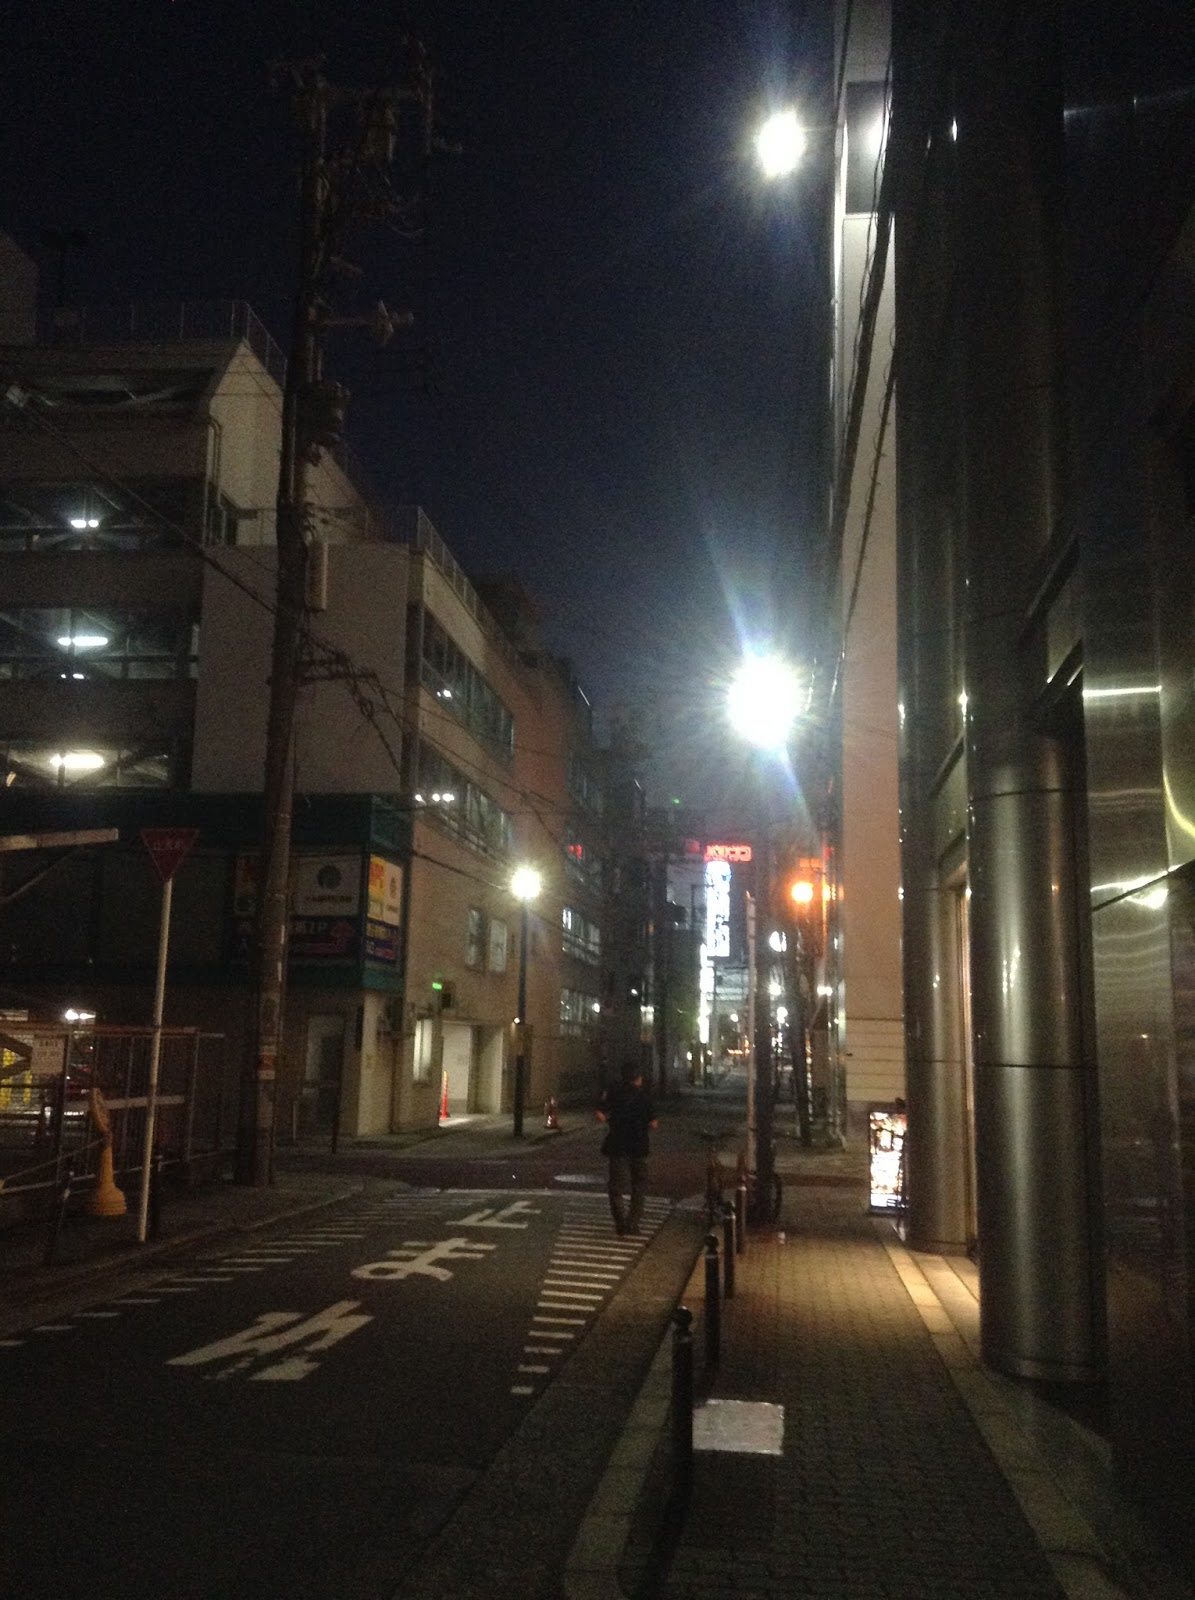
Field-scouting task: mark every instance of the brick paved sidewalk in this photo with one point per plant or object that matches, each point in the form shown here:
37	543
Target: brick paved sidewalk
902	1475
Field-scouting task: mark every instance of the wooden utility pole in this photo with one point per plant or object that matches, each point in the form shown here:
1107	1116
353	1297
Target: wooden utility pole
336	193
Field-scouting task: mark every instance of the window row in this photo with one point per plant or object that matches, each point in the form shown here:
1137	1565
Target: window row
142	514
582	939
579	1012
460	805
581	862
89	766
76	643
459	687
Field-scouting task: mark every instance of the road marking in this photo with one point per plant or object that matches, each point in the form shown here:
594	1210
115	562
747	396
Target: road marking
569	1280
417	1258
11	1344
572	1322
531	1366
55	1327
507	1217
97	1313
540	1350
138	1300
521	1388
272	1333
550	1333
256	1259
567	1297
174	1288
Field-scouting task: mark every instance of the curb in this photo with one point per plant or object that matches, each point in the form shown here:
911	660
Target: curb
591	1571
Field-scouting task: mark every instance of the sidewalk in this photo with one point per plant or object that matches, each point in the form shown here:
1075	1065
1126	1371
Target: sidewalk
906	1468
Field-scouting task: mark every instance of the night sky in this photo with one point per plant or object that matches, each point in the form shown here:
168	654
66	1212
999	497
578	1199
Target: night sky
614	384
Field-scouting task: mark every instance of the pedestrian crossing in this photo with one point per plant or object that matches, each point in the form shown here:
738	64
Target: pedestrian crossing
588	1263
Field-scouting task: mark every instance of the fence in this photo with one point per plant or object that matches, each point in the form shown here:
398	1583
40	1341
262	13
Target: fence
48	1072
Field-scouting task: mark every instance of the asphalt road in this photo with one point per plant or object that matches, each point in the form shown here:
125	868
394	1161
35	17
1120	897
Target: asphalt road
336	1409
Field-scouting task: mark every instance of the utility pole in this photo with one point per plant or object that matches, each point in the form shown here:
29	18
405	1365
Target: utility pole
335	194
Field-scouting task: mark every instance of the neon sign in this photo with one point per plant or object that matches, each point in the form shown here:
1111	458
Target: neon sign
728	852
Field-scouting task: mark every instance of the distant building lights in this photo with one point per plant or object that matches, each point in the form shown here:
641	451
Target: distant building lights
82	641
78	761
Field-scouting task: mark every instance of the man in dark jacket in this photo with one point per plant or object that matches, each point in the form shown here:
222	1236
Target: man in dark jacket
629	1114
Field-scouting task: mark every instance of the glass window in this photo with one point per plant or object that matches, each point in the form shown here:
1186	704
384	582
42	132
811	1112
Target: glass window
461	689
67	765
498	941
579	1012
475	947
425	1049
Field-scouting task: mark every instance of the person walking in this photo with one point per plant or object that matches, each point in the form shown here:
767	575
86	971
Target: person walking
627	1110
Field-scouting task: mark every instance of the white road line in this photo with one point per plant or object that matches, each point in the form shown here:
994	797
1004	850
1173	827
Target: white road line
521	1388
259	1261
55	1327
548	1333
532	1366
97	1313
560	1280
569	1269
11	1344
193	1279
572	1322
138	1300
171	1288
540	1350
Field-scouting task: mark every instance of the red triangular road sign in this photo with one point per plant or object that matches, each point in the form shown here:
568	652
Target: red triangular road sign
169	848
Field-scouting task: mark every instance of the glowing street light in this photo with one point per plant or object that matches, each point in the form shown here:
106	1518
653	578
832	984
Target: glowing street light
765	698
525	885
780	144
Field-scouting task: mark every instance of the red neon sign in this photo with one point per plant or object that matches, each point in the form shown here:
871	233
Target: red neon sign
728	852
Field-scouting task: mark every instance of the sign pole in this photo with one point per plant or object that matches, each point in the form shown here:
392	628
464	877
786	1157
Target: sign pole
155	1056
167	848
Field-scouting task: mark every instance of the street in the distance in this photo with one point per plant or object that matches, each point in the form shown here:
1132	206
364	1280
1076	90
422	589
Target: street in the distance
300	1414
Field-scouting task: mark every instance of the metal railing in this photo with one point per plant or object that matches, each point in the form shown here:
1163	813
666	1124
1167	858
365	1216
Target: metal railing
46	1101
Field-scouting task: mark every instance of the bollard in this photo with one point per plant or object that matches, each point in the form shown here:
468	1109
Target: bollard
58	1216
728	1247
713	1303
682	1401
740	1215
154	1211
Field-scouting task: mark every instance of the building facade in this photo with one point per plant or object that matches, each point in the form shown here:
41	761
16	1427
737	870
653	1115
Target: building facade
1038	182
138	466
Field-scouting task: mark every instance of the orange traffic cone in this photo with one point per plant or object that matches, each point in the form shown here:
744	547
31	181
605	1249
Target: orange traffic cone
105	1200
550	1114
444	1097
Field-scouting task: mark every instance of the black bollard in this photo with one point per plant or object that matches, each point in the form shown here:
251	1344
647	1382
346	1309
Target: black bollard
58	1216
682	1401
740	1215
728	1247
713	1303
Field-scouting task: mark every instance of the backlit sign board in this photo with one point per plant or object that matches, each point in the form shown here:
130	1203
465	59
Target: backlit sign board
734	853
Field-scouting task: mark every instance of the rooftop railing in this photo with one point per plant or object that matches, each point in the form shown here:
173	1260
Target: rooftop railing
163	322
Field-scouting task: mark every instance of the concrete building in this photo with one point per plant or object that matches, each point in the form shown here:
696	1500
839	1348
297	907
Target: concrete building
1038	186
138	462
862	1016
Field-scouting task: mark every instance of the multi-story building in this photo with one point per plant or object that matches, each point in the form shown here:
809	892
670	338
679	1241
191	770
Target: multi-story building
138	462
1038	190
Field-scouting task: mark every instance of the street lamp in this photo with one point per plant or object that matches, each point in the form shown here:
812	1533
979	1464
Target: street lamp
764	699
525	885
780	144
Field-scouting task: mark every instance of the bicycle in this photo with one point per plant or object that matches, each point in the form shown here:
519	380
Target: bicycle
765	1191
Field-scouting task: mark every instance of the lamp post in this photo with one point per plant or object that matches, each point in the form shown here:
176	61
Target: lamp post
525	885
780	144
764	699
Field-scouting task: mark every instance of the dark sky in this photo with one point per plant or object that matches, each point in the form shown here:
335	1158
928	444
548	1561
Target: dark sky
622	322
